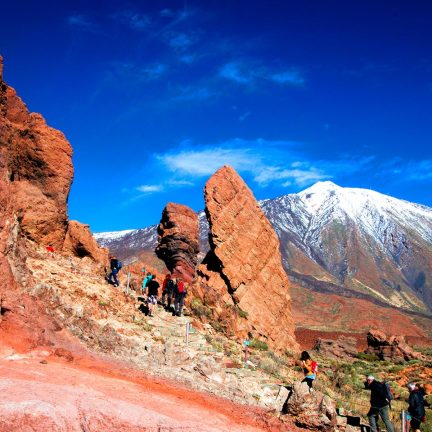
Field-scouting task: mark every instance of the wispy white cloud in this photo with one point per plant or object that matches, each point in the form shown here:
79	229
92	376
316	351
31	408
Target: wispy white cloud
134	73
191	93
134	20
251	73
181	41
81	22
257	159
290	77
244	116
407	170
233	71
149	188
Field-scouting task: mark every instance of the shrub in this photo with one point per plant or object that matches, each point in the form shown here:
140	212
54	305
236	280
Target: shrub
242	313
199	309
259	345
368	357
269	366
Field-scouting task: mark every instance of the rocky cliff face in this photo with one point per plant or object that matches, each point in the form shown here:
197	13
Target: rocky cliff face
242	276
35	177
36	169
178	240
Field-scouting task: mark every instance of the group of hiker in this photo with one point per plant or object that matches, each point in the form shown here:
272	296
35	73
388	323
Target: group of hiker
380	400
173	289
173	293
171	297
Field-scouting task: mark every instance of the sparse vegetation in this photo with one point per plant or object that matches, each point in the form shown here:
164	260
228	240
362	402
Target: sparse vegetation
199	309
259	345
368	357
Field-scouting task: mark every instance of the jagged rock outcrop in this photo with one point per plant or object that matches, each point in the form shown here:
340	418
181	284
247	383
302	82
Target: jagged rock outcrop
241	277
393	349
178	240
35	176
80	242
341	348
37	169
311	409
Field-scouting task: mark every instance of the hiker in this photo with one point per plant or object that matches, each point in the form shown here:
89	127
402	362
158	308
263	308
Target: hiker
167	291
153	287
50	249
180	294
380	404
310	368
416	407
146	280
115	266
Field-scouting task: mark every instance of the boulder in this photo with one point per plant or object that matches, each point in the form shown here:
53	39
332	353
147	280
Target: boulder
241	277
178	243
341	348
393	349
80	242
311	409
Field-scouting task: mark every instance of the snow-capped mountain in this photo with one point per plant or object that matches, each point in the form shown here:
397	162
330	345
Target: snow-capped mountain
349	241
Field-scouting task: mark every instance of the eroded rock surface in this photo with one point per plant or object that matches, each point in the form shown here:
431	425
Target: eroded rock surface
80	242
179	240
311	409
242	277
341	348
393	348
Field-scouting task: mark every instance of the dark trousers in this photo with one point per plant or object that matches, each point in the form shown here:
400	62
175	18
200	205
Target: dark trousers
112	275
309	381
168	296
178	303
384	414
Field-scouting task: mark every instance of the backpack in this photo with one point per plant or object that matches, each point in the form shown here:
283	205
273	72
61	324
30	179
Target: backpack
169	285
388	391
314	367
119	265
180	287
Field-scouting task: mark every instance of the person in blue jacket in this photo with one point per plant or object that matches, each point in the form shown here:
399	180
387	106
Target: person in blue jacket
416	407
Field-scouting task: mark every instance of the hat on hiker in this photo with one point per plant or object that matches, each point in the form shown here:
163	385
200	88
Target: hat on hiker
411	386
370	378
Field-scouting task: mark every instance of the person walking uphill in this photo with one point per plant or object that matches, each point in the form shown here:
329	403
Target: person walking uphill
310	368
167	292
115	266
416	407
153	287
146	280
180	294
380	404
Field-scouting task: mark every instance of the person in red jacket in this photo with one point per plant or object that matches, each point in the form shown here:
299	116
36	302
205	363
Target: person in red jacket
180	294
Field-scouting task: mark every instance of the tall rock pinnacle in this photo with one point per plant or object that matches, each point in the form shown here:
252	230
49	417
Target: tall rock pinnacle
242	276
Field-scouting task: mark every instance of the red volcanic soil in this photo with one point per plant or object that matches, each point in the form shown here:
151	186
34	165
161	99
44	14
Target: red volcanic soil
51	394
307	338
334	314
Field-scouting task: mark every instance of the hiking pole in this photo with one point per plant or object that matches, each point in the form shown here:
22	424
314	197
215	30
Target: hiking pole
127	285
187	334
403	420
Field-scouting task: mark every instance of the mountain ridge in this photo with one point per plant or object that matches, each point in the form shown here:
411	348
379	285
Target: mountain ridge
358	240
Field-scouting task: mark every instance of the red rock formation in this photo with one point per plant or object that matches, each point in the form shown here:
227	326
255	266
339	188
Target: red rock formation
35	177
178	240
242	276
341	348
80	242
394	348
38	169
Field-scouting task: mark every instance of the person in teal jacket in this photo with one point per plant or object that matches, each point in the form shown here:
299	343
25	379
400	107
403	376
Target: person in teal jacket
146	280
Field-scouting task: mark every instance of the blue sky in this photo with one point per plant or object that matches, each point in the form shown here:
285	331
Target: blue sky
155	96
